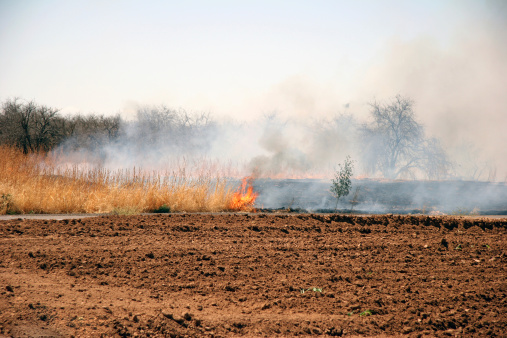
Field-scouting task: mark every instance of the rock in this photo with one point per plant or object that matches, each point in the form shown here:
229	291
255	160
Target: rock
407	329
167	314
178	319
316	331
334	332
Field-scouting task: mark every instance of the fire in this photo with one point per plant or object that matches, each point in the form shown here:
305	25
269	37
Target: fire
244	198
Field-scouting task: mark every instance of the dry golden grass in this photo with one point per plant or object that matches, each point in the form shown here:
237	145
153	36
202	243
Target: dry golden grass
36	184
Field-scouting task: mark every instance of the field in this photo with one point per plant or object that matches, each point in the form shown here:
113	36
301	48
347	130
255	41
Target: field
374	196
254	275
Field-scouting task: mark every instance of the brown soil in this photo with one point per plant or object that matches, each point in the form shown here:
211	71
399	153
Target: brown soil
253	274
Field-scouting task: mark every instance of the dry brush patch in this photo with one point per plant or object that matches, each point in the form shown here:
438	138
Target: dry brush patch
35	183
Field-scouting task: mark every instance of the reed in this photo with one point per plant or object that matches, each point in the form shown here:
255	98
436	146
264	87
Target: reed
38	183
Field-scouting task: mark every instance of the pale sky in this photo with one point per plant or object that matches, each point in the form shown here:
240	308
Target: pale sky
242	59
226	57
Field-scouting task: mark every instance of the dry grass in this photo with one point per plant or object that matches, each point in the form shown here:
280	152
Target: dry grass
35	184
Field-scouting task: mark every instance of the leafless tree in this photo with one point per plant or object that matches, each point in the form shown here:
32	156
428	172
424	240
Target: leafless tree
90	131
29	126
171	127
46	134
33	127
395	144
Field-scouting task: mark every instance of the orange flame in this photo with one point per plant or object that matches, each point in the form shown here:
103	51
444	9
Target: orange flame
244	198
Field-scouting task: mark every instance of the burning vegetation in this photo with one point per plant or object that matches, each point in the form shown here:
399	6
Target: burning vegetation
244	198
37	184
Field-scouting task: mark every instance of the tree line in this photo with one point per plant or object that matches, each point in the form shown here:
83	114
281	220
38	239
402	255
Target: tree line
392	144
38	128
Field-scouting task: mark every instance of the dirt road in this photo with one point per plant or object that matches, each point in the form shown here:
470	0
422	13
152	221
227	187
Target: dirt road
265	275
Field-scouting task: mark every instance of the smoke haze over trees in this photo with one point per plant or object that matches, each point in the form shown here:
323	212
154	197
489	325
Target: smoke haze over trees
392	144
395	143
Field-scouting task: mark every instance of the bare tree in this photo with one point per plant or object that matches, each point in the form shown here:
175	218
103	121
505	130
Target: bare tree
170	127
90	131
395	144
46	132
34	127
29	126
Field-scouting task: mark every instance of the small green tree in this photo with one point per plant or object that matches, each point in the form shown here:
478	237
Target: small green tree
342	182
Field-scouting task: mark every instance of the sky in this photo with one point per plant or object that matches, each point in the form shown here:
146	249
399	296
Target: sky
244	59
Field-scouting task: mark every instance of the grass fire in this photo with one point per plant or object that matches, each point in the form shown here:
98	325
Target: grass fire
36	183
244	198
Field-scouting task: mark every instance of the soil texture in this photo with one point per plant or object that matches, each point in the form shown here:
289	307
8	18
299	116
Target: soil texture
253	275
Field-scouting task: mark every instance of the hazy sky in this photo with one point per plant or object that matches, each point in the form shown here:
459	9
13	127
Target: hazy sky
248	58
228	57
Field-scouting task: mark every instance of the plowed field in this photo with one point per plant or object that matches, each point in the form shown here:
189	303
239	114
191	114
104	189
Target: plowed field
254	275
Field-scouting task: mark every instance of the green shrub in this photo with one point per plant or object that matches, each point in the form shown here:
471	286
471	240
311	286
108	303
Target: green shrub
342	182
163	209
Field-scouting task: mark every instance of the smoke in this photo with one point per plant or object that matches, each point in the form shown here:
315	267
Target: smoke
376	196
161	138
458	88
457	82
292	161
457	85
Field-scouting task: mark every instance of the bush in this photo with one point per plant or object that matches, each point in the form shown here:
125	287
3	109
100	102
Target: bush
342	182
163	209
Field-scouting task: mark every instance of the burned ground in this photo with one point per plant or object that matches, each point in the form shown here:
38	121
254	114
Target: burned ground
373	196
253	274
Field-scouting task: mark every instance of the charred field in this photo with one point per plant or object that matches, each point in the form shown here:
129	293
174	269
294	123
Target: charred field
253	274
371	196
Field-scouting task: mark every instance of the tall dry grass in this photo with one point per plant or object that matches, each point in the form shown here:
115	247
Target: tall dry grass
36	183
